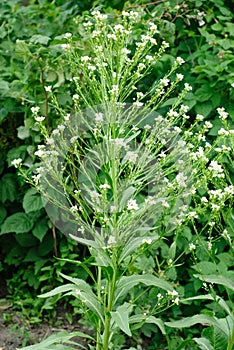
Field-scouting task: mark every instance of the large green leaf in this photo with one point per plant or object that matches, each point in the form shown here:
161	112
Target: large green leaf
226	282
32	201
3	213
40	229
217	338
204	343
141	319
81	284
222	303
133	244
18	223
57	338
8	188
204	320
121	318
128	282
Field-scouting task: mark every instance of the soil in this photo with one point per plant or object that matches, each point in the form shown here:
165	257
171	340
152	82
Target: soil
16	333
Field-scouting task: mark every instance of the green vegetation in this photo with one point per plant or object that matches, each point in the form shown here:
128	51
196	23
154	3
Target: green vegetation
195	256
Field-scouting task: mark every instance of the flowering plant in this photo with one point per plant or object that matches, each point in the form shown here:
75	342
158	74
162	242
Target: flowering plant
122	171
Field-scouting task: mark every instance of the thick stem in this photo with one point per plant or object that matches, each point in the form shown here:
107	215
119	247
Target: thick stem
109	308
99	287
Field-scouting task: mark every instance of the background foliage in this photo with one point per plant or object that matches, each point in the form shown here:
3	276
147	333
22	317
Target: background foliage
200	31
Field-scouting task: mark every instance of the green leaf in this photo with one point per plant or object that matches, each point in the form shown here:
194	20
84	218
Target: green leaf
202	319
32	201
133	244
222	303
141	319
121	318
18	223
217	338
58	290
226	282
23	132
81	284
204	108
16	152
8	188
204	343
40	39
128	282
57	338
40	229
3	213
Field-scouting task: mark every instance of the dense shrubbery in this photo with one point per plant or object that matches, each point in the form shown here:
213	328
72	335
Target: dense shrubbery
202	33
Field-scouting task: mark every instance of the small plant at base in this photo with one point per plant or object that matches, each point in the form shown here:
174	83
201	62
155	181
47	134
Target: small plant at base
118	176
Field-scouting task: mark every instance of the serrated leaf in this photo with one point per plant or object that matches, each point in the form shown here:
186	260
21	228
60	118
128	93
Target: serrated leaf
121	318
18	223
8	188
128	282
32	201
226	282
217	338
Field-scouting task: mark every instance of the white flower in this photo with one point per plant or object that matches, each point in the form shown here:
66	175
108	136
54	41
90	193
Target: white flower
223	131
74	209
164	82
104	186
112	36
36	178
181	178
179	60
199	117
65	47
85	58
148	241
98	117
187	87
149	58
17	162
132	205
208	125
61	127
192	246
39	118
67	35
125	51
179	76
75	97
48	88
91	67
138	103
87	24
131	156
118	28
216	169
35	110
222	113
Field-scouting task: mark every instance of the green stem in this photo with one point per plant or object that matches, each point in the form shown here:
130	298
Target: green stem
231	340
110	304
99	286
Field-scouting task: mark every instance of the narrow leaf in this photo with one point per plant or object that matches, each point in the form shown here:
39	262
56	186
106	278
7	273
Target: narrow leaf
202	319
226	282
128	282
141	319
